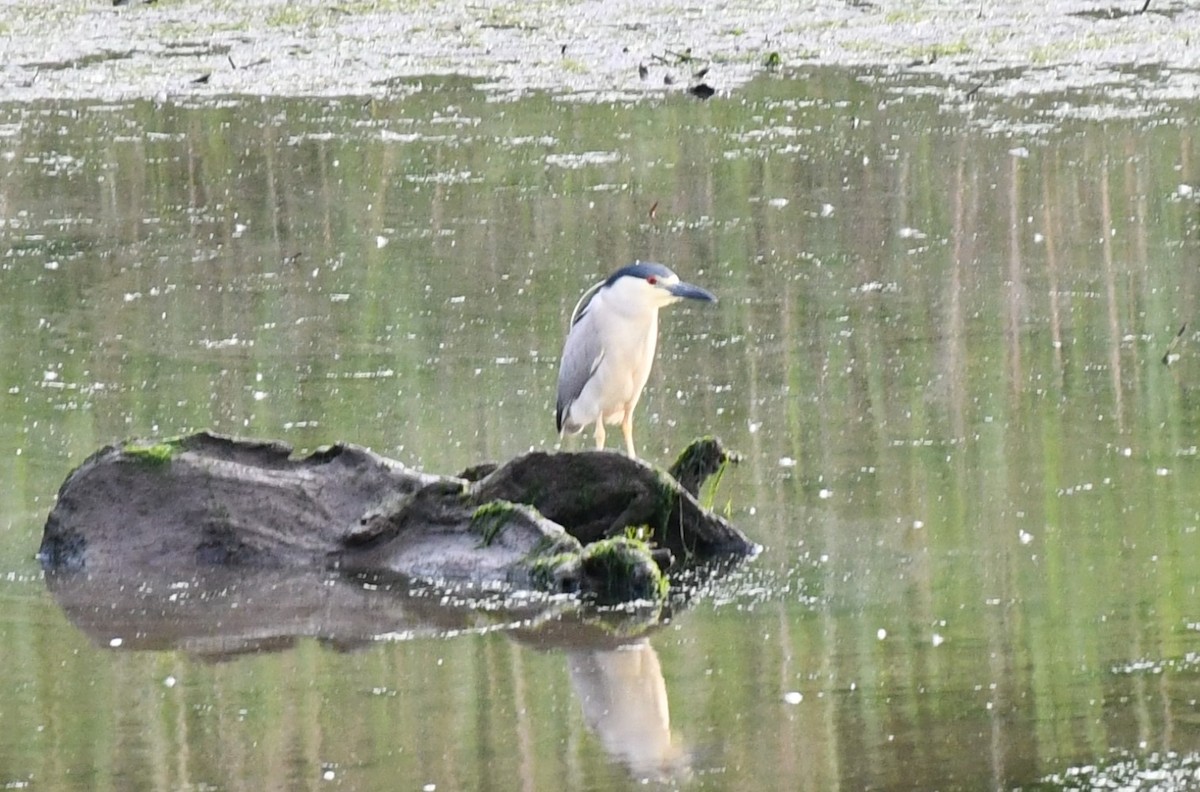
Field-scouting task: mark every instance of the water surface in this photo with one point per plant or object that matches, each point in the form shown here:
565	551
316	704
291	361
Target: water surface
938	347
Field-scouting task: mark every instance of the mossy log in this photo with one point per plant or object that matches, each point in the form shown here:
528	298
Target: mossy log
595	522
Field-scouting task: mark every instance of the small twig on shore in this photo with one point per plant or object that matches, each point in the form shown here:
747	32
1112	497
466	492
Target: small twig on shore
249	65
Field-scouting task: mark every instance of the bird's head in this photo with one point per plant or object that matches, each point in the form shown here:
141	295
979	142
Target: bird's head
652	286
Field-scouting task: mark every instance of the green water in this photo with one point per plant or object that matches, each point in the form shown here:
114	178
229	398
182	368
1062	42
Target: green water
938	346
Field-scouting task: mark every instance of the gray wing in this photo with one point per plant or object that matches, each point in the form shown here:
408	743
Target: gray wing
584	302
581	355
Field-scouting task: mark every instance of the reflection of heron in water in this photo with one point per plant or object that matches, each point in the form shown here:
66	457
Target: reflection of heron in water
624	698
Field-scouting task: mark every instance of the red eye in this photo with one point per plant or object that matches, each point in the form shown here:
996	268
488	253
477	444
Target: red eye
652	280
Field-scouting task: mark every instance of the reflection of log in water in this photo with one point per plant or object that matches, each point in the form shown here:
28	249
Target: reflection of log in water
624	700
218	614
224	614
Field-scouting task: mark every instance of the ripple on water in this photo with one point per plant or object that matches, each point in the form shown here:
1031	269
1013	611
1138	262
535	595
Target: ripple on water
1157	771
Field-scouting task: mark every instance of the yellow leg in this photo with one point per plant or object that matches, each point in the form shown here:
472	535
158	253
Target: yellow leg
627	430
600	432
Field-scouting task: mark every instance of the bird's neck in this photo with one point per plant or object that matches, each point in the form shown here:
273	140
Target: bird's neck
630	311
628	323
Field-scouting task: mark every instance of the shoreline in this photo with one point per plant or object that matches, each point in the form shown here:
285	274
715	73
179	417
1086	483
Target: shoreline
182	50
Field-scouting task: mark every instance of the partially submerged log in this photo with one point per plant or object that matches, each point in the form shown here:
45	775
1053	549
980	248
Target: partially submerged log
552	522
599	495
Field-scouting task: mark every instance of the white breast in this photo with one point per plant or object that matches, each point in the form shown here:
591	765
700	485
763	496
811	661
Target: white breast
627	339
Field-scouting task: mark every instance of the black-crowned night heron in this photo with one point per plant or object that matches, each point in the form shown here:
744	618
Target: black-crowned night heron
610	347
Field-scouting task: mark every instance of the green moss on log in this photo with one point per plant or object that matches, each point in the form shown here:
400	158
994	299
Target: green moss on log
625	569
153	454
489	519
548	572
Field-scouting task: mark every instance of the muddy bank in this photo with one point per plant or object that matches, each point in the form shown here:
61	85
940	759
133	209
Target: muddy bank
178	50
